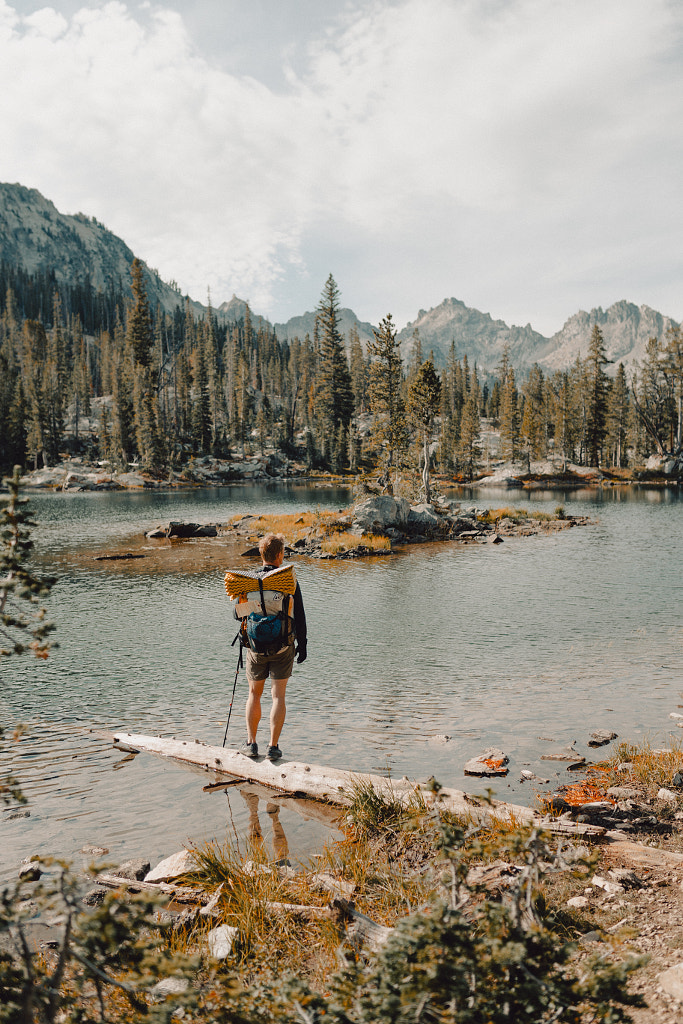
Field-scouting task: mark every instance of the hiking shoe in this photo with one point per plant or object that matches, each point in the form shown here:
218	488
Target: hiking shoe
250	749
273	753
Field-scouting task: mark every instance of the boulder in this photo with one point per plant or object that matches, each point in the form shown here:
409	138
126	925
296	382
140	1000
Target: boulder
130	479
377	513
172	867
184	530
423	519
136	870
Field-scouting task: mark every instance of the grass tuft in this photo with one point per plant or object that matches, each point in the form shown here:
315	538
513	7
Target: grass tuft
341	542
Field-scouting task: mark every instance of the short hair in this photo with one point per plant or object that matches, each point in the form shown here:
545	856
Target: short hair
271	546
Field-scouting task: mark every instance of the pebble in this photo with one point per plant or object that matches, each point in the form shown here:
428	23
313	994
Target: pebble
667	795
613	888
578	901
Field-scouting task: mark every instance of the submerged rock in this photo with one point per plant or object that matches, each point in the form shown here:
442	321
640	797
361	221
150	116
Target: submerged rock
600	737
491	762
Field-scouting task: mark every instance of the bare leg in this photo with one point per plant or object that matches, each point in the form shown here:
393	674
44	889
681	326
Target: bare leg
253	709
278	709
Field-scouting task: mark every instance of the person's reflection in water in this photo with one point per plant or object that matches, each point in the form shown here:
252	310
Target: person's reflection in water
280	846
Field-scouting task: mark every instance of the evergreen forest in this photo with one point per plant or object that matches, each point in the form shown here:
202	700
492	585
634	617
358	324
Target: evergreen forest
108	378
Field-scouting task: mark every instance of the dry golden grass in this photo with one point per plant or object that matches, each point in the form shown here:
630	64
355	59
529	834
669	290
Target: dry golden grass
494	515
640	765
518	515
341	542
297	525
330	528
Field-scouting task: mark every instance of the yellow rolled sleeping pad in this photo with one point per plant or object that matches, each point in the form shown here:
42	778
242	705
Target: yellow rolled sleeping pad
239	582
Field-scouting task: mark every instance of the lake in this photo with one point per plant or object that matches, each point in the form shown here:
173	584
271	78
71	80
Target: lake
527	646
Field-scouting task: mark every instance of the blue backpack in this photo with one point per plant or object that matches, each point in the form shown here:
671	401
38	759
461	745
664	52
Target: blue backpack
264	633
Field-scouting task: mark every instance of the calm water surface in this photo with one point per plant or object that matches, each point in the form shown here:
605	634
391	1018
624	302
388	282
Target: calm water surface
528	645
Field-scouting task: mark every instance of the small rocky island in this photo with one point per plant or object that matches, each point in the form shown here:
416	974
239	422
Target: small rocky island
376	526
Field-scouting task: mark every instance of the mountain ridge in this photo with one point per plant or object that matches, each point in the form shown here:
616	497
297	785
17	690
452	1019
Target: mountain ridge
34	235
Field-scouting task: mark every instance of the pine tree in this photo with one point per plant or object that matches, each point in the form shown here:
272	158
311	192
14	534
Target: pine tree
21	592
140	344
672	369
359	373
334	391
424	402
598	381
618	416
470	429
509	417
139	330
201	407
534	416
385	392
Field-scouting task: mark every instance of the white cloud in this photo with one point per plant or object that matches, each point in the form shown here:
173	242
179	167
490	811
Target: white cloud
421	148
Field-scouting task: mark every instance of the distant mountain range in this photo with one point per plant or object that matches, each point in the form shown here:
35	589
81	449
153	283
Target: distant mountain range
35	235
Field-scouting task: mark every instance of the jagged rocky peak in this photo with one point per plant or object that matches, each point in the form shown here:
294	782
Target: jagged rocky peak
626	329
474	334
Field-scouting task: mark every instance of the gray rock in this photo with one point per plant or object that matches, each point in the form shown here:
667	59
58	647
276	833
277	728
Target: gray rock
170	868
94	851
624	876
94	898
491	762
578	901
667	796
423	519
136	869
168	987
672	981
612	888
191	530
375	514
600	737
221	941
623	793
30	873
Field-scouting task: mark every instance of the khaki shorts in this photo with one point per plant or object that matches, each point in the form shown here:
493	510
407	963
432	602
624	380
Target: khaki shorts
278	666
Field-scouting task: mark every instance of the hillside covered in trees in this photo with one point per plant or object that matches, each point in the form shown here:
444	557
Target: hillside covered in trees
91	372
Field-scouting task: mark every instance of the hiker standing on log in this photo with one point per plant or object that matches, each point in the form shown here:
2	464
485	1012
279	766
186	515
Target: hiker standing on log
278	666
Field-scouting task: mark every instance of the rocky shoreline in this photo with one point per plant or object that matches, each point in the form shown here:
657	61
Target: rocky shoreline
75	475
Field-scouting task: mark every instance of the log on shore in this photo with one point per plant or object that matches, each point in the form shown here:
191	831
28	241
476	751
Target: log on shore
640	855
317	782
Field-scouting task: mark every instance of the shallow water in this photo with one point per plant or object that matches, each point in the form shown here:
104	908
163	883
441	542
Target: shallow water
528	645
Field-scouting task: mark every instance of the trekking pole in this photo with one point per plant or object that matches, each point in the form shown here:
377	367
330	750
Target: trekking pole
234	687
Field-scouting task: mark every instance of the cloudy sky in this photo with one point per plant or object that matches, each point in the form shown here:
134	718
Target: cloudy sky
524	156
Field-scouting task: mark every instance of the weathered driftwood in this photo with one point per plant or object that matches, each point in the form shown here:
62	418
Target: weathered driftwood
643	856
303	911
180	893
333	785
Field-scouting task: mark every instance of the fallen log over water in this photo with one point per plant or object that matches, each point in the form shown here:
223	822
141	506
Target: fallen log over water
335	785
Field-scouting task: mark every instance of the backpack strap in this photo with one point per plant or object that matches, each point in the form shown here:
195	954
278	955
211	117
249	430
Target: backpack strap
263	600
